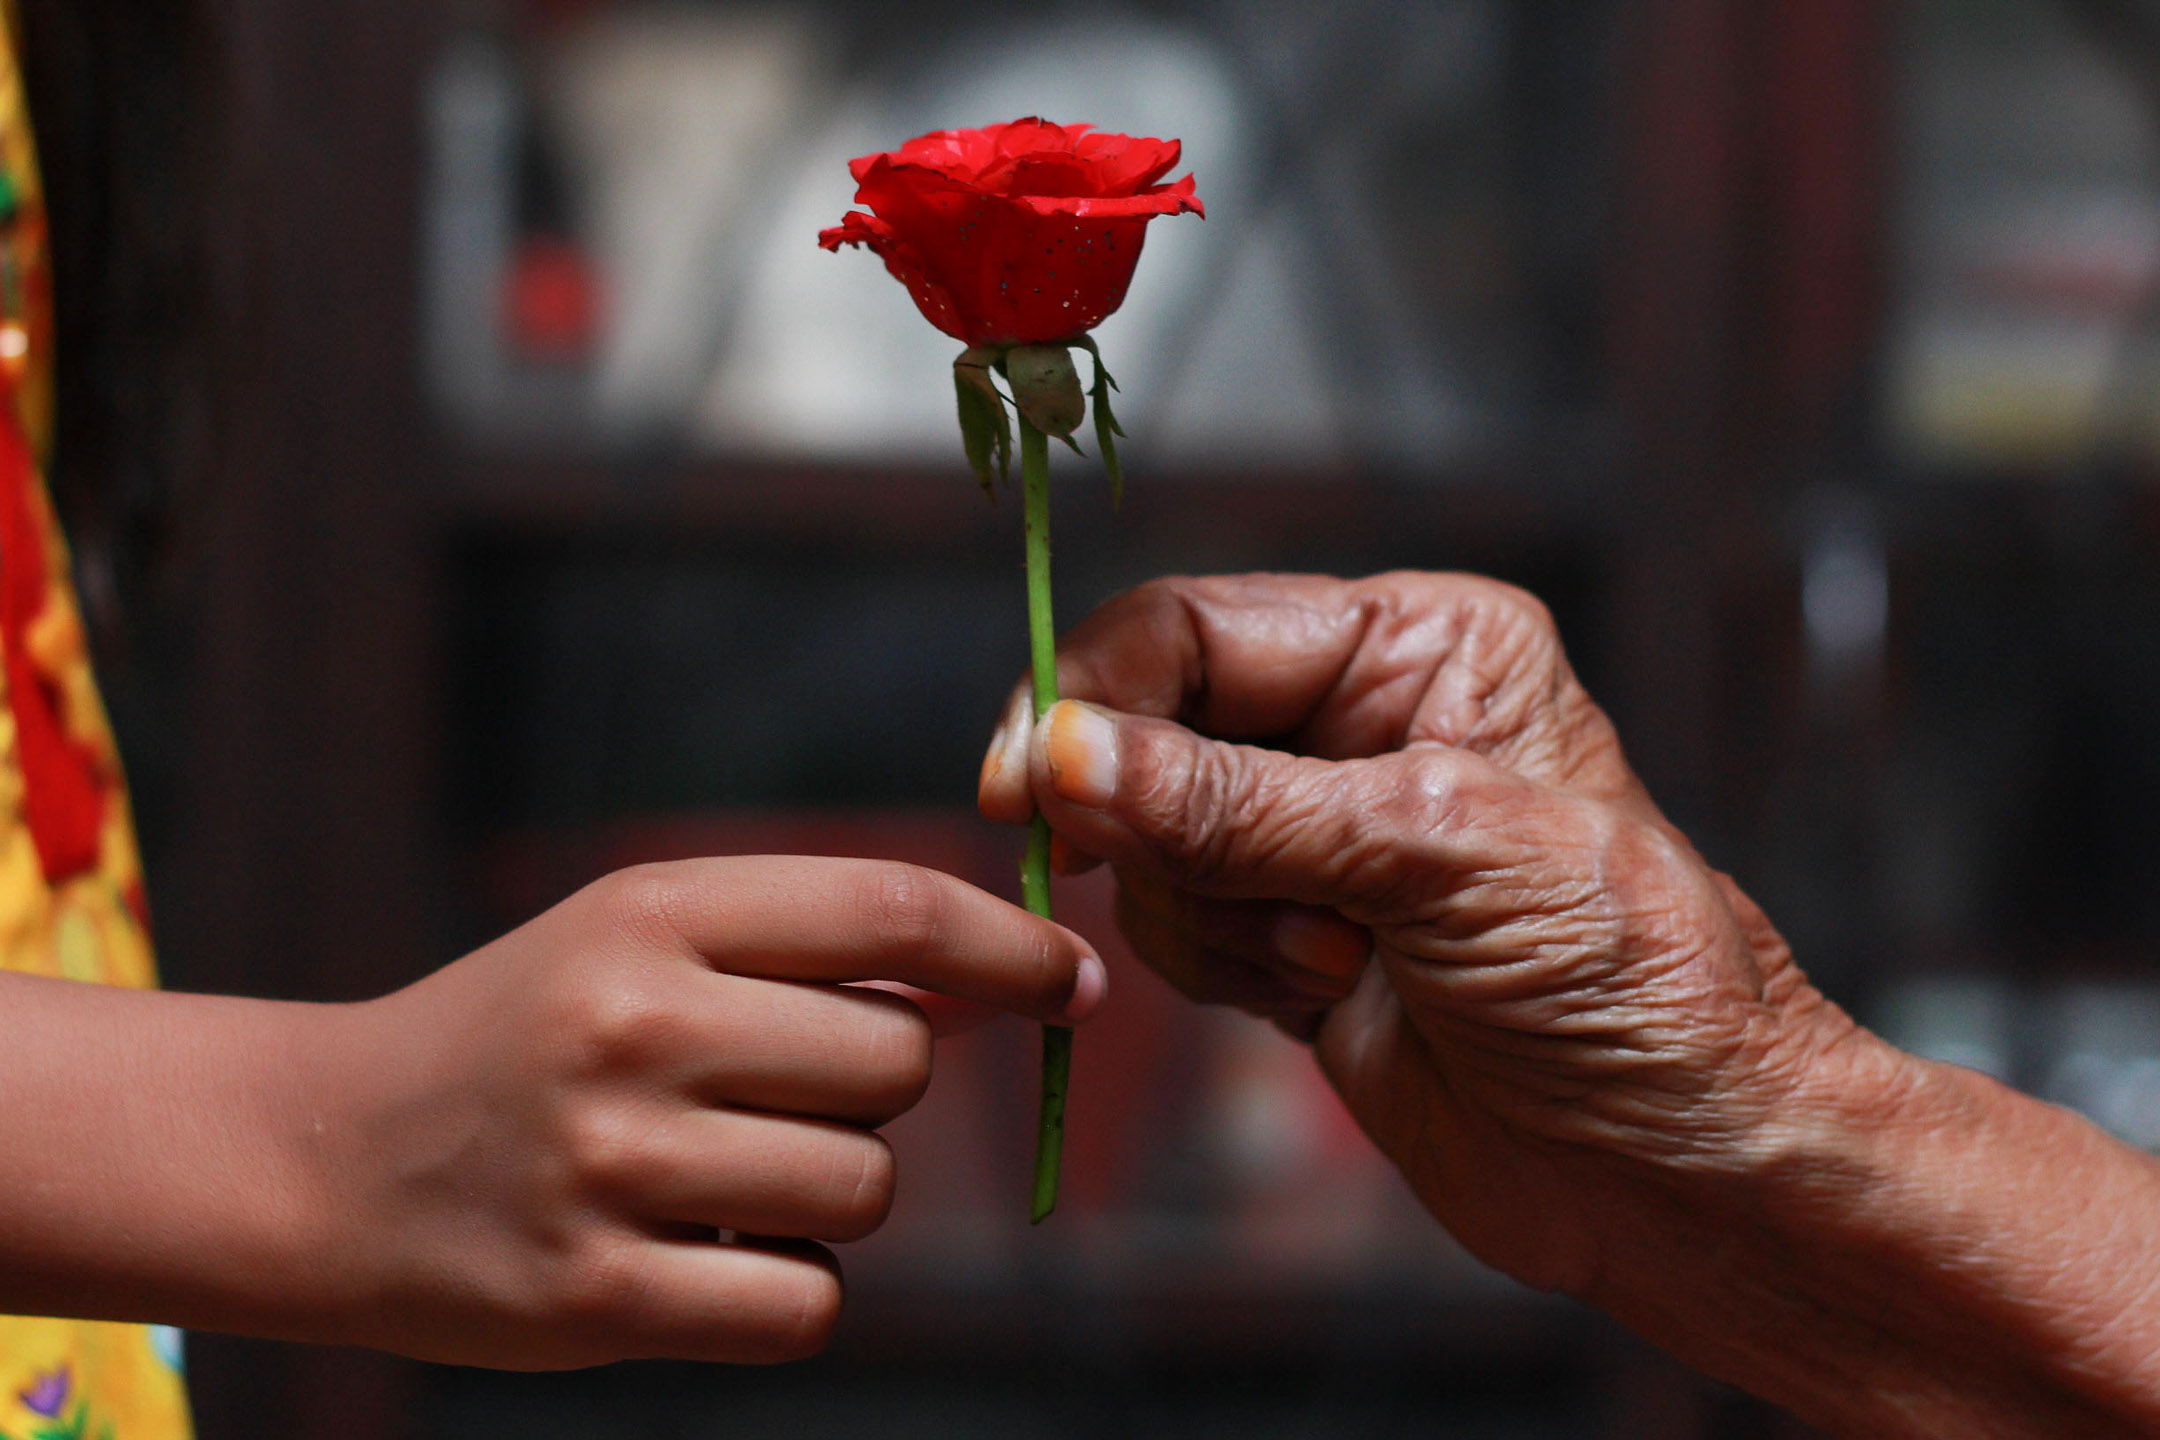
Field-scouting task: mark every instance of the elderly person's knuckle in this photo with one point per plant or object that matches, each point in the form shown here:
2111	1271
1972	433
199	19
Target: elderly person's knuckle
1434	784
1517	641
1164	593
1508	603
1423	794
1156	608
1380	836
1193	801
1636	861
1674	914
1611	854
1613	893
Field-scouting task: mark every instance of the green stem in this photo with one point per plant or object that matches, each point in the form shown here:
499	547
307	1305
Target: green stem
1035	869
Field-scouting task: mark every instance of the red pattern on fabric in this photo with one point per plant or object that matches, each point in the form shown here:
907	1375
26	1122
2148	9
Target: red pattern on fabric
63	797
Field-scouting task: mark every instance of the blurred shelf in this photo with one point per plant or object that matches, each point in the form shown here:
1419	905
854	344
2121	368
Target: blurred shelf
858	507
515	875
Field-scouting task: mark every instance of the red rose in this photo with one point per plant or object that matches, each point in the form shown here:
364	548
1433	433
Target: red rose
1021	234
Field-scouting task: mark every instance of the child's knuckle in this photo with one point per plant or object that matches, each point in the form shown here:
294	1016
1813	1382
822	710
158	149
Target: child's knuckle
906	908
606	1289
621	1020
898	1048
804	1307
641	899
864	1179
607	1147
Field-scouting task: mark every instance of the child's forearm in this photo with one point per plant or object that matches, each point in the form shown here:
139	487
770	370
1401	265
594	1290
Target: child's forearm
1925	1254
163	1158
527	1158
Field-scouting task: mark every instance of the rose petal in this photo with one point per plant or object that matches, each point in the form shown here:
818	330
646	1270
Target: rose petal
904	263
1024	233
1042	173
855	228
959	154
1123	164
1035	134
1176	199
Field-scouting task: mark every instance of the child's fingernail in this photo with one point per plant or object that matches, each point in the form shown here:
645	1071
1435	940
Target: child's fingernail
1008	747
1089	987
1081	744
1322	944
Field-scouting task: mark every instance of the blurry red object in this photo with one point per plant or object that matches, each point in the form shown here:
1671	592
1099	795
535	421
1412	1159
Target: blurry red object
63	787
551	300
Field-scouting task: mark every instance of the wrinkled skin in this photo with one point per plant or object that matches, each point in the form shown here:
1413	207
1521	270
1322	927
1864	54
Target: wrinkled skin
1384	813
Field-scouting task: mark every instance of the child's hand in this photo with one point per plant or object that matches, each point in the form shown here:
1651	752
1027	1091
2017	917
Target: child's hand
526	1156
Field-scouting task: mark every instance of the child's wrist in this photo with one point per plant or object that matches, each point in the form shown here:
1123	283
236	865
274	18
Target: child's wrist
287	1269
326	1145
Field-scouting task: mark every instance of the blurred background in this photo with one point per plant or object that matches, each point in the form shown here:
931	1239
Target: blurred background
481	480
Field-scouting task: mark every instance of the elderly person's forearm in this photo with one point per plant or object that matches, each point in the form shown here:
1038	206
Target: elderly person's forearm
1909	1250
1593	1058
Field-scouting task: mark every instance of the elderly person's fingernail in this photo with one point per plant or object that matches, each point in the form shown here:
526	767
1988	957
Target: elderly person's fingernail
1007	755
1080	743
1322	944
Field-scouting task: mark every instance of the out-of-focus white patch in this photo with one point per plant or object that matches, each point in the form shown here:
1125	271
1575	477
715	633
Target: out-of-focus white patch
828	356
670	118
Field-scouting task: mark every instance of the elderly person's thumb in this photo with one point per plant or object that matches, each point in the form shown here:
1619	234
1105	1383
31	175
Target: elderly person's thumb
1241	822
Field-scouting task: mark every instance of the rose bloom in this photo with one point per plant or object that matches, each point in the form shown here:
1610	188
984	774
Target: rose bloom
1020	234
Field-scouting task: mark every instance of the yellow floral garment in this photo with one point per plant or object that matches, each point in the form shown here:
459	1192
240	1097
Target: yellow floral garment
71	898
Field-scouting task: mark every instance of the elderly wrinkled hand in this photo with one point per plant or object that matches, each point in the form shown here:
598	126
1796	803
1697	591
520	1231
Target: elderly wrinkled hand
1385	814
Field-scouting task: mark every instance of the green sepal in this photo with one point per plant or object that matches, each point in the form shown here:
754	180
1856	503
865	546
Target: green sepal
1046	387
1107	431
984	430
